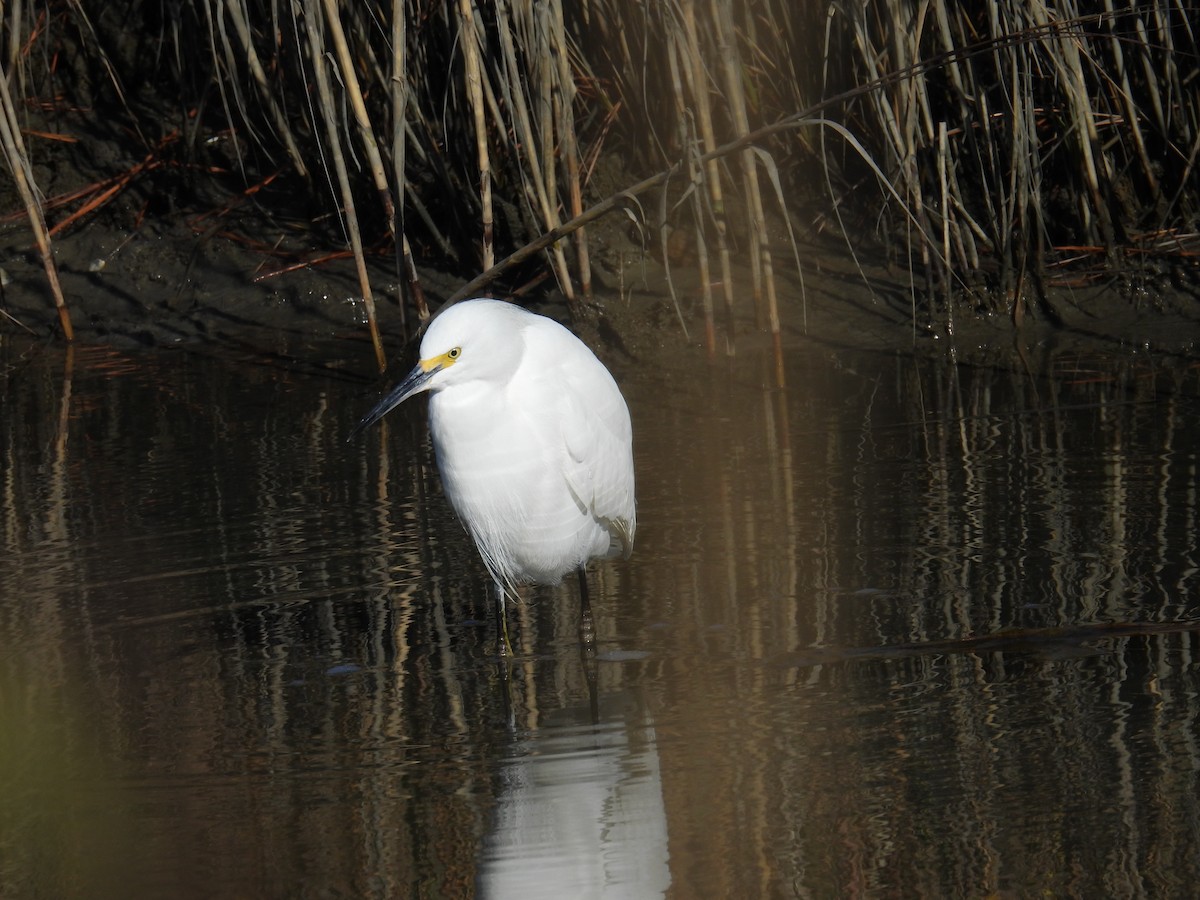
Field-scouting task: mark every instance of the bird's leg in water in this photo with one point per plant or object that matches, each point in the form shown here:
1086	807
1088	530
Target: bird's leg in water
587	629
502	621
587	647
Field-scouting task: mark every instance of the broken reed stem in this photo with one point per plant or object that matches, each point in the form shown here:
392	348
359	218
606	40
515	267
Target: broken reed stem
18	164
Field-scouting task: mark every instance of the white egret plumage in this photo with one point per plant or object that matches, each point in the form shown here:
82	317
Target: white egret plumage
533	442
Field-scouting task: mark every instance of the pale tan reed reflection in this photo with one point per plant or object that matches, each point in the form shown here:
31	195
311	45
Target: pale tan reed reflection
903	623
962	529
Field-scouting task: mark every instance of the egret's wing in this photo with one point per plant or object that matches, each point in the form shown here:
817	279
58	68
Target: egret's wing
581	406
595	428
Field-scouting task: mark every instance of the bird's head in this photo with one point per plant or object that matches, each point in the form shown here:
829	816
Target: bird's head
475	340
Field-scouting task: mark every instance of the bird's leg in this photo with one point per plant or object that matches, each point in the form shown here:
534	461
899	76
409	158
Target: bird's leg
504	667
502	621
587	628
587	647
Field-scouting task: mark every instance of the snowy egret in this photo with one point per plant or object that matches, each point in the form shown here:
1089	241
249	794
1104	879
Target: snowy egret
533	443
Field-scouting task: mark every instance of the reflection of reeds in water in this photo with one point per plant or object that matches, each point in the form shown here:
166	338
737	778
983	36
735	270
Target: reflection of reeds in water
199	580
91	558
997	140
944	503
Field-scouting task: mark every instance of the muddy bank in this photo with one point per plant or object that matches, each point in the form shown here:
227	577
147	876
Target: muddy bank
164	284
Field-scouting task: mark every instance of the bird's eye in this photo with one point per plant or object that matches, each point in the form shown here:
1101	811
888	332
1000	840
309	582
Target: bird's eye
454	354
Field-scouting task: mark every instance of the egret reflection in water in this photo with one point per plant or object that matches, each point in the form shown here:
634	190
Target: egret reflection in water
579	813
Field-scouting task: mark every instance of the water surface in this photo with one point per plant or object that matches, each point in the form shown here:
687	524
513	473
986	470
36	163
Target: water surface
904	628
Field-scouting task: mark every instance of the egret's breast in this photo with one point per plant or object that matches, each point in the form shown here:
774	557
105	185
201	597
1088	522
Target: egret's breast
503	475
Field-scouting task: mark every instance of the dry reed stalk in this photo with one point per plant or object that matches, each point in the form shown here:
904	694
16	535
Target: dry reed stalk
399	93
547	100
980	117
1162	38
512	83
1023	196
472	67
326	105
568	146
350	86
1068	62
222	55
358	106
1124	92
732	68
696	179
12	63
915	129
703	267
697	81
945	200
235	12
895	107
663	217
18	163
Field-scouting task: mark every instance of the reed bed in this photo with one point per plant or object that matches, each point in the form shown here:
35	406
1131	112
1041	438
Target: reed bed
986	148
1026	131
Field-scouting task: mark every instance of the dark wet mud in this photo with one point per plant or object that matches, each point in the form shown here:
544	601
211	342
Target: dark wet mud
166	283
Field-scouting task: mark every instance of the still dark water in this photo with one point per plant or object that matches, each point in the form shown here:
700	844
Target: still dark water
905	629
